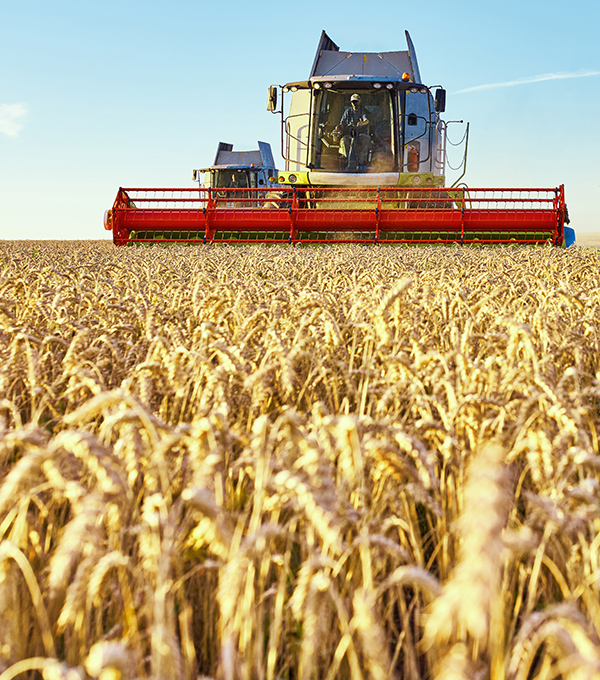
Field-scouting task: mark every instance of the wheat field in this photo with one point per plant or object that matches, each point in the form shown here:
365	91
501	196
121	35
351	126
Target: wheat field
248	463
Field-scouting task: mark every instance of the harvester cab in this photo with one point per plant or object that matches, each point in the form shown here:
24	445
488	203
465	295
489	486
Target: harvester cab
238	169
362	119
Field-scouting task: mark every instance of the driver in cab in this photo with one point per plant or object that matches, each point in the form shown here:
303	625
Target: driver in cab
353	131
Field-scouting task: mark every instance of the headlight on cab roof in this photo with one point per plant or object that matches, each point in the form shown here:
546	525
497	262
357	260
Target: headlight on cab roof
292	178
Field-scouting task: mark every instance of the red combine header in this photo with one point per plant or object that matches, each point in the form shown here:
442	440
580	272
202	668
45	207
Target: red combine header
325	215
365	155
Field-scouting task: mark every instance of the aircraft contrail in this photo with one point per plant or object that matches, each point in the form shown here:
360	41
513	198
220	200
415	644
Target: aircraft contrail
531	79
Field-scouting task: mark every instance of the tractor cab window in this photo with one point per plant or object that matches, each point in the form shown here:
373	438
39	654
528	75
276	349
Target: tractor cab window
417	106
352	130
230	179
417	113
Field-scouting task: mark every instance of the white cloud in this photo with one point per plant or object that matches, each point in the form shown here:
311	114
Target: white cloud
531	79
11	116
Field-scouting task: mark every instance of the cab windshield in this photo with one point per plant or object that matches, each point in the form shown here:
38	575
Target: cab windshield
230	179
352	130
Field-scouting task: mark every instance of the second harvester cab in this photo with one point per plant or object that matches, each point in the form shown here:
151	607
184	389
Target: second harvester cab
362	119
238	169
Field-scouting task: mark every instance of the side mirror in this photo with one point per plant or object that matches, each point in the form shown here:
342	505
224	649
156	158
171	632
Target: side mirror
440	100
272	98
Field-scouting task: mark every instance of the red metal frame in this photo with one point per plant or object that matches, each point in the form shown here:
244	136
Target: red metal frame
342	215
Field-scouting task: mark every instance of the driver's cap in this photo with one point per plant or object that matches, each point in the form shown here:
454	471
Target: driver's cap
355	98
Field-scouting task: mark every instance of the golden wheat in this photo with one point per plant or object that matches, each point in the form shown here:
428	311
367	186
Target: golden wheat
277	462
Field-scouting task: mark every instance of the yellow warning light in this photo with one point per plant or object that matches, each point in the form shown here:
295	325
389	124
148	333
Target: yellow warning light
405	76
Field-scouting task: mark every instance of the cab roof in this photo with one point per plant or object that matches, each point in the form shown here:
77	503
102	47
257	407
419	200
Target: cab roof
227	158
333	64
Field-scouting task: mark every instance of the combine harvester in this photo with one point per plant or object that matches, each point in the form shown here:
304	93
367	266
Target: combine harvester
365	155
239	169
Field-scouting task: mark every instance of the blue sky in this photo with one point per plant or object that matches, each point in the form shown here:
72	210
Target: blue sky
100	94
